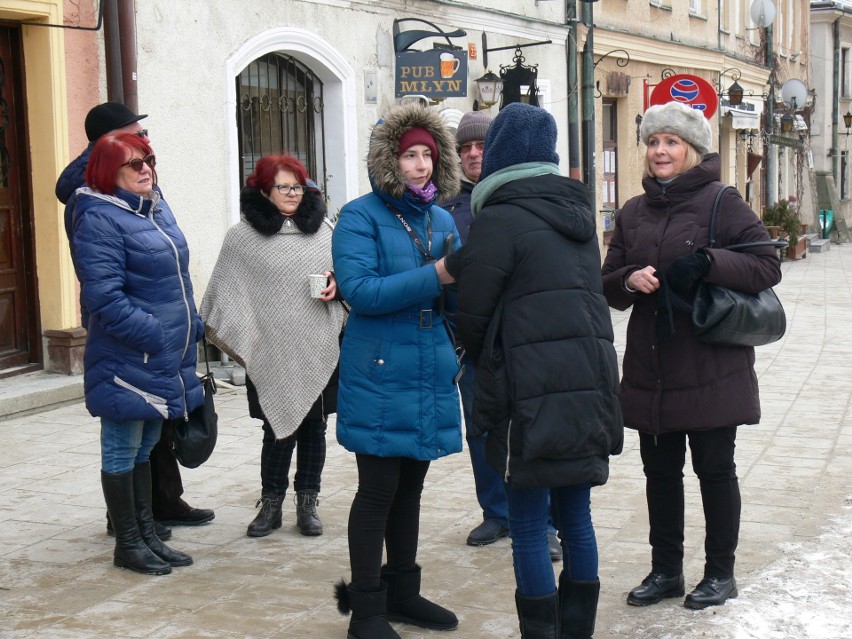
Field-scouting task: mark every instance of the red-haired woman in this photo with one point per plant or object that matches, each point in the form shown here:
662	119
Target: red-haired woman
258	309
132	262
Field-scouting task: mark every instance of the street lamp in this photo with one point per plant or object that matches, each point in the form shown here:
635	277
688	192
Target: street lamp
490	87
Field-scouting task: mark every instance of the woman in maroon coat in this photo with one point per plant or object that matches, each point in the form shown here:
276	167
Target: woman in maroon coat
674	387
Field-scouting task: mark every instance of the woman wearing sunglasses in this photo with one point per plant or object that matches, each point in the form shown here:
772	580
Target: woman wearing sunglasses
132	262
259	309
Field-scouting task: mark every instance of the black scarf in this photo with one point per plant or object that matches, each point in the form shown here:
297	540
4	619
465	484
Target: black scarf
266	219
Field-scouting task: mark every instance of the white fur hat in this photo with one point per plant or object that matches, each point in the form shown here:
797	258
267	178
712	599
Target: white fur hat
685	122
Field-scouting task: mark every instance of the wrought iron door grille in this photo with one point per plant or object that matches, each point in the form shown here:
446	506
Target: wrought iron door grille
280	110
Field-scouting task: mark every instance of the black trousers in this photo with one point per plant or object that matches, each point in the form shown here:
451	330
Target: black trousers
385	512
166	484
663	459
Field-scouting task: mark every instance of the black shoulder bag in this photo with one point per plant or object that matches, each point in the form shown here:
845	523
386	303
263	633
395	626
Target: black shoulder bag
194	438
727	317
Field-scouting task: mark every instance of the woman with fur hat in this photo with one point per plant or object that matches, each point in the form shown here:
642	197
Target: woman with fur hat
259	310
398	401
533	317
676	389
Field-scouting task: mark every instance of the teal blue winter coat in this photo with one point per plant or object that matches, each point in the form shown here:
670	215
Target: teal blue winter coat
397	395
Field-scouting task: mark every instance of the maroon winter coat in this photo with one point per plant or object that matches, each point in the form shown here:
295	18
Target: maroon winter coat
684	384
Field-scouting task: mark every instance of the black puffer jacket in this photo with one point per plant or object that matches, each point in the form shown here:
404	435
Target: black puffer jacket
533	317
684	384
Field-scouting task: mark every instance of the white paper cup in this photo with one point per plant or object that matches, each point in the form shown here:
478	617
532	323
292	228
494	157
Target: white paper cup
317	282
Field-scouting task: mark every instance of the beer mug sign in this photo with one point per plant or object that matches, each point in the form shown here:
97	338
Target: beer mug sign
449	65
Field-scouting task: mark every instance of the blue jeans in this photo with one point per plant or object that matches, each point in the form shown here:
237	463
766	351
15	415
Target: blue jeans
125	444
528	523
489	485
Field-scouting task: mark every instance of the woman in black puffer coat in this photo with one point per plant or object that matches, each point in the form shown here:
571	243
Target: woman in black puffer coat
533	317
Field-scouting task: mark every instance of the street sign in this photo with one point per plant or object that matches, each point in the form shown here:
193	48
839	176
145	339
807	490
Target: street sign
689	90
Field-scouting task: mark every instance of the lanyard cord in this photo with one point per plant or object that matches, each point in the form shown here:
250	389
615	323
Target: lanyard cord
427	252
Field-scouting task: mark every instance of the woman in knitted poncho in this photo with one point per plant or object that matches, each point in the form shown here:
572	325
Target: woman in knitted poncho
258	309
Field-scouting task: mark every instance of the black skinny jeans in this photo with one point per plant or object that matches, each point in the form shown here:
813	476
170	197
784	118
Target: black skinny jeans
386	509
663	457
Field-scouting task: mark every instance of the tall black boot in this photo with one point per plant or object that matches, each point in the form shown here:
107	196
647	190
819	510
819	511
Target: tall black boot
163	532
578	606
369	612
130	549
538	617
145	517
406	605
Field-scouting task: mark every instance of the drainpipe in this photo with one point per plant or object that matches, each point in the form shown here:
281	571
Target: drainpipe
589	106
112	50
127	29
835	103
573	101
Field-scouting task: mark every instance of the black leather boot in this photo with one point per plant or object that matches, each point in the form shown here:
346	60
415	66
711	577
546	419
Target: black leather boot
163	532
306	513
145	517
656	587
538	617
369	612
578	607
269	516
711	591
131	552
406	605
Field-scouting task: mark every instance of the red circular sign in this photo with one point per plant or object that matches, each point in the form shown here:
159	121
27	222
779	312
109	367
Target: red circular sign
687	89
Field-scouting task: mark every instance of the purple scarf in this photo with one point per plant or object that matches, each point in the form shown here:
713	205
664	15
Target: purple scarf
425	195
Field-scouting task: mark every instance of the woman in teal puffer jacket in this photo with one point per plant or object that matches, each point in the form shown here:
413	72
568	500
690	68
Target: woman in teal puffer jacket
398	403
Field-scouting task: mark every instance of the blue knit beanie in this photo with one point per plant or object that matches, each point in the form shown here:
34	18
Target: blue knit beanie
520	133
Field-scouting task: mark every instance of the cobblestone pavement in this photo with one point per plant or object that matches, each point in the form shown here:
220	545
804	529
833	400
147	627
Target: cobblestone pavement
793	563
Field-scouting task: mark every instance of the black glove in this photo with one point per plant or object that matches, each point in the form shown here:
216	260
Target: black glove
685	274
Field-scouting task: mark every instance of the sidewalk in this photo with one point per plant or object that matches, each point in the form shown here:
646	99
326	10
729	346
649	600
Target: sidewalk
794	568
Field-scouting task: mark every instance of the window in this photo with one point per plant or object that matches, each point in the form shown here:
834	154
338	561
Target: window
844	175
609	176
844	71
280	109
695	7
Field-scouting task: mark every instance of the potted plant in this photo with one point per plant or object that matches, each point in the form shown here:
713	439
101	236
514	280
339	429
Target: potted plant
783	216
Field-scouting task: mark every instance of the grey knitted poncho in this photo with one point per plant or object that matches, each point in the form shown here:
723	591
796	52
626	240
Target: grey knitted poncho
257	308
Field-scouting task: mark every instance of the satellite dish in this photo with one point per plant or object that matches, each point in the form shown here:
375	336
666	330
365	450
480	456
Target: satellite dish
762	13
794	93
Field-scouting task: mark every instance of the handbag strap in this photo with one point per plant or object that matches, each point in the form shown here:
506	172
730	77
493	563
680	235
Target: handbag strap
206	362
744	245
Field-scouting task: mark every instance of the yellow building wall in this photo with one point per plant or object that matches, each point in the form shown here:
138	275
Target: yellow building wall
47	125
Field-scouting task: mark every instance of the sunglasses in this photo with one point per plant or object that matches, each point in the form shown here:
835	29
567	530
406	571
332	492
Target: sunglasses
142	133
136	163
287	189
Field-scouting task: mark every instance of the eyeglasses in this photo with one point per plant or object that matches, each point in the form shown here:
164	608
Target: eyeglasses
287	189
136	163
142	133
467	147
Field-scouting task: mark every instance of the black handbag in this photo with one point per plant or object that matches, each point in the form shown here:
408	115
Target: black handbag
727	317
194	438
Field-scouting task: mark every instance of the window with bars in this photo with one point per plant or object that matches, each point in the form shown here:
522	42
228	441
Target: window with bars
844	175
280	110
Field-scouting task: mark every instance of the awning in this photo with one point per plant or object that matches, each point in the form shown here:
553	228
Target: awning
745	115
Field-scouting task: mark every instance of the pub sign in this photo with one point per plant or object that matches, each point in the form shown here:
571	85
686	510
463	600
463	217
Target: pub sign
437	74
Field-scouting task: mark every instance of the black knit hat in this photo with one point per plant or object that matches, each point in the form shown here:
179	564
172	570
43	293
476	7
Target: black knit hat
520	133
107	117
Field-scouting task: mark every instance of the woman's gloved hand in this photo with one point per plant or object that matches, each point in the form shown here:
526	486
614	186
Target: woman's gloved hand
685	274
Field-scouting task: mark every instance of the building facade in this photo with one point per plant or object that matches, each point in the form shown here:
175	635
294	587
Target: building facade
223	83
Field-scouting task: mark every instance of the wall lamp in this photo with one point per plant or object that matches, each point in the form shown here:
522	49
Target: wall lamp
735	91
847	120
787	123
490	87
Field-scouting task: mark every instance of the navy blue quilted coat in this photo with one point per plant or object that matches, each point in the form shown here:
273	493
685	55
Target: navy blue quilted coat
132	261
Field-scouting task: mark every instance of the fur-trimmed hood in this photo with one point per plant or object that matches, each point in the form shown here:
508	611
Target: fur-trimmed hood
266	219
383	159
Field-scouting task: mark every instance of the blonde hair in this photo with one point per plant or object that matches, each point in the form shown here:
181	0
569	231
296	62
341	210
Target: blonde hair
693	158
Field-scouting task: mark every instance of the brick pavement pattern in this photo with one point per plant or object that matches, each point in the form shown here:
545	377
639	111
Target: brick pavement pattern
57	579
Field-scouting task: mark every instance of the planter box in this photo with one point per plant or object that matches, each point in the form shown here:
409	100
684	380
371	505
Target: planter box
799	250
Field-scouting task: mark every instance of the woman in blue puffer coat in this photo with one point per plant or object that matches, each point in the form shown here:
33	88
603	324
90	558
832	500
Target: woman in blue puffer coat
398	403
132	262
